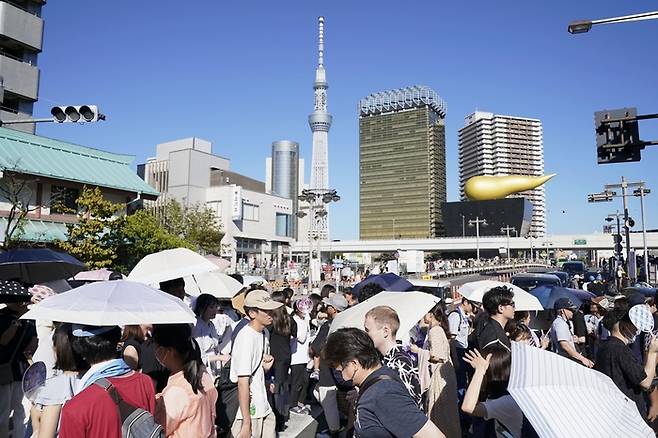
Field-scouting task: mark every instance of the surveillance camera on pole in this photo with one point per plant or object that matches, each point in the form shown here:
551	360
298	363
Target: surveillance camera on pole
75	114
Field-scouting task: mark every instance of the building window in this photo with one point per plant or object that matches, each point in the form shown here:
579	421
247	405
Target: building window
283	225
250	212
63	200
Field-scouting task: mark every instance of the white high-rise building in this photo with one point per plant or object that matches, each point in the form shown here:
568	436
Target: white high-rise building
320	122
493	144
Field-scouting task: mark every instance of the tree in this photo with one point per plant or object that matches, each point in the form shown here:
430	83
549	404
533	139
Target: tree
90	239
142	234
195	224
17	190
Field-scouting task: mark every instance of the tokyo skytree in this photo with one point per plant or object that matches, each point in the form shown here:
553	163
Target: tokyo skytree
320	122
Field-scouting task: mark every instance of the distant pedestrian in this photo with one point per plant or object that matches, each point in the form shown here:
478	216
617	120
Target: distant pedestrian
562	337
300	358
499	304
205	333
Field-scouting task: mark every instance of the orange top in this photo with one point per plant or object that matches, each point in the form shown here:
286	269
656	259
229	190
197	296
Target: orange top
184	414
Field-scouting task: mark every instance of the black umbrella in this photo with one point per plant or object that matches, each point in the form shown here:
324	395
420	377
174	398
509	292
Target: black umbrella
13	292
38	265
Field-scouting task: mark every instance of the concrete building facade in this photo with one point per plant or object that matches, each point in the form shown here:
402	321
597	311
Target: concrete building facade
21	40
492	144
402	170
258	226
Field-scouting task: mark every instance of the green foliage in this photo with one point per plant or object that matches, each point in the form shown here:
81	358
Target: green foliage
90	239
196	224
140	235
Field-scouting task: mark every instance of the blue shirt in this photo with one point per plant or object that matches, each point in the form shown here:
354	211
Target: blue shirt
382	406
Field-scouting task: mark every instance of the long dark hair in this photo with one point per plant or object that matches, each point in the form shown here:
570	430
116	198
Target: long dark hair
497	375
179	338
280	317
439	313
66	359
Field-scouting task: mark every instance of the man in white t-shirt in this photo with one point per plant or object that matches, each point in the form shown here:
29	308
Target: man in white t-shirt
249	362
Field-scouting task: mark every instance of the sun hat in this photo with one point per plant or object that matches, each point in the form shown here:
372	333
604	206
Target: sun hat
337	301
261	299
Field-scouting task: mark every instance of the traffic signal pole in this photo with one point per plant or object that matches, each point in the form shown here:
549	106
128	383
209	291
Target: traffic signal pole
627	229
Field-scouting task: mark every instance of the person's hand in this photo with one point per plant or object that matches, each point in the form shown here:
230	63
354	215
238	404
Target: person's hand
245	430
585	361
267	358
224	357
414	348
653	413
544	342
475	359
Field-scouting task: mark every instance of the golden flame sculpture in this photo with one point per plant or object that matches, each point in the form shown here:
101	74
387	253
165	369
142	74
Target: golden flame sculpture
482	188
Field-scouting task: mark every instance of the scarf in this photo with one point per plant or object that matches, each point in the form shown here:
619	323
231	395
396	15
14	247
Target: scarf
110	368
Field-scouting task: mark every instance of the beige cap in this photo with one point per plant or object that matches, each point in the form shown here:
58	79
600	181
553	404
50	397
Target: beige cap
261	299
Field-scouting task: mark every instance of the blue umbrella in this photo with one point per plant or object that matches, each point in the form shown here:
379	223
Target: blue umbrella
38	265
388	281
548	294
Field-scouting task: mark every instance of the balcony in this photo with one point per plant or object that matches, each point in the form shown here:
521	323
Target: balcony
21	26
19	77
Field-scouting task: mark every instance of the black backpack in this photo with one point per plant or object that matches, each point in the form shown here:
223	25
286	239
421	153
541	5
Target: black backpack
135	422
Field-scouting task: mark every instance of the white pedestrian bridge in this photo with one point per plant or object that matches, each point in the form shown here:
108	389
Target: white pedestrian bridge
597	241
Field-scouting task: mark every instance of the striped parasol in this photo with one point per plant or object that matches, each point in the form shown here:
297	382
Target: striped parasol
562	398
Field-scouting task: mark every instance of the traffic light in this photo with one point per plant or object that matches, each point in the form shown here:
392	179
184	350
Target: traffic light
72	114
617	136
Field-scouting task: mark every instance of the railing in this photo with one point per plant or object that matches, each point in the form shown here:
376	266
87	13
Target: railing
14	57
8	110
446	273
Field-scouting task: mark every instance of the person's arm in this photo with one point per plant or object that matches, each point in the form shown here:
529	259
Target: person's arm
131	357
471	404
49	421
243	400
454	321
568	348
650	364
429	430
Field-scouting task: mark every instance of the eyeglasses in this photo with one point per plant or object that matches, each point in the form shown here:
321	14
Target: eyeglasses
509	303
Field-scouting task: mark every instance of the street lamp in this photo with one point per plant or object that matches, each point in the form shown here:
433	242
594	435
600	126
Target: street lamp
476	223
507	229
583	26
316	199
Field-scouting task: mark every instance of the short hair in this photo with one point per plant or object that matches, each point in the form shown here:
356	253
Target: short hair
238	277
66	359
385	315
203	302
368	291
347	290
495	297
348	344
98	348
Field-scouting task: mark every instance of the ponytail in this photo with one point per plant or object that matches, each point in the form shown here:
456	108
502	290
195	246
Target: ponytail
179	338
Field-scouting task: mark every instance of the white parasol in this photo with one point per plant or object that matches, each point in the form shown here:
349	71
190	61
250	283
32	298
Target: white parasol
214	283
118	302
410	307
475	290
169	265
562	398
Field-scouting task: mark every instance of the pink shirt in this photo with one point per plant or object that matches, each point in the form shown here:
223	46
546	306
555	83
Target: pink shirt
182	413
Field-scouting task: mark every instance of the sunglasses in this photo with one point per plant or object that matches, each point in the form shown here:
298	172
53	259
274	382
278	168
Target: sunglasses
508	303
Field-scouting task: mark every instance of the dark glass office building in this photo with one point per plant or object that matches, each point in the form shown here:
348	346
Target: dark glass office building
402	171
499	214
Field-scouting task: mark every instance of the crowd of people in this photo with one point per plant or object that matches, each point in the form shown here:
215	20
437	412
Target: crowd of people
251	363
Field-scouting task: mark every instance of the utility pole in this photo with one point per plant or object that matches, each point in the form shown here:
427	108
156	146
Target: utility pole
477	223
507	229
641	191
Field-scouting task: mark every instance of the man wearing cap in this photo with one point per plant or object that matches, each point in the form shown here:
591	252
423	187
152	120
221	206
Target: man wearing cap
326	389
250	359
561	332
92	412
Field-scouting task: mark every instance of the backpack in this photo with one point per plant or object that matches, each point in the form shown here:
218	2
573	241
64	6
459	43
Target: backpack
135	422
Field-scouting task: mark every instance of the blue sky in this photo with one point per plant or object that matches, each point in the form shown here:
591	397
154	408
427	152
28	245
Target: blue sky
240	74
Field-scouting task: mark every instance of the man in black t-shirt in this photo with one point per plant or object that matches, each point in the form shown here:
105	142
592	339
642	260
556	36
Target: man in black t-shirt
499	304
